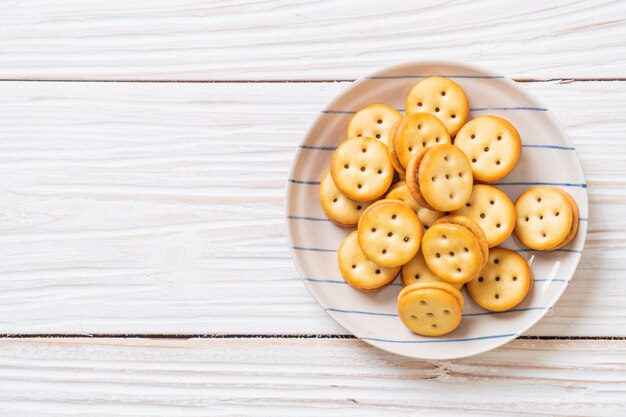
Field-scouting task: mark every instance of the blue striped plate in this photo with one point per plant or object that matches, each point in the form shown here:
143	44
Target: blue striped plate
548	157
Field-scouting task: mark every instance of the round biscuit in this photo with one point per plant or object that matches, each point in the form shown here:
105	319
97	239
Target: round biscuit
416	132
544	218
401	192
358	271
390	233
492	210
473	227
416	271
442	98
429	311
338	208
392	151
412	178
361	169
493	146
445	178
452	252
503	283
575	220
374	121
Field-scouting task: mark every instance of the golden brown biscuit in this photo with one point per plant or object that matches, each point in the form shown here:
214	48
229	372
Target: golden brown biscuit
361	169
412	178
416	271
430	309
503	283
440	97
492	210
374	121
417	131
340	209
544	218
358	271
445	178
452	252
401	192
390	233
492	144
473	227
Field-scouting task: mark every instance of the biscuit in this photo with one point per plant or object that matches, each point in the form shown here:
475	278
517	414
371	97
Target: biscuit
412	178
575	220
492	210
503	283
544	218
374	121
416	271
390	233
473	227
401	192
338	208
416	132
440	97
430	309
358	271
452	252
361	169
492	144
392	151
444	177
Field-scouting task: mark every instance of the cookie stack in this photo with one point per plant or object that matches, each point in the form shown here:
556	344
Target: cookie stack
417	188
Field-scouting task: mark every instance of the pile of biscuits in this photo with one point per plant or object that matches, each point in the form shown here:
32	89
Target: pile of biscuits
417	188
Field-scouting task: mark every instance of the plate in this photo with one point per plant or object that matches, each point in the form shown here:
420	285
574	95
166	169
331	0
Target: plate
548	158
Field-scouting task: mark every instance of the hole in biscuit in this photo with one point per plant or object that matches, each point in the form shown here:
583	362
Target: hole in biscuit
417	276
434	326
492	202
544	235
541	217
425	227
358	207
377	135
362	169
467	204
466	250
406	239
346	166
446	311
443	93
496	261
527	219
364	150
424	144
539	200
480	279
438	255
451	253
410	148
486	149
499	137
378	272
437	140
380	171
389	234
557	213
419	104
444	236
474	160
497	278
379	121
422	302
373	229
353	266
458	270
498	225
413	316
433	178
451	195
482	215
359	135
453	116
384	251
473	136
437	109
359	186
430	314
497	162
445	158
393	216
514	278
334	200
497	295
447	176
460	175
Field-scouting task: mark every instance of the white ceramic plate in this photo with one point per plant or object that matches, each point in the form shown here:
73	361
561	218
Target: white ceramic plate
548	157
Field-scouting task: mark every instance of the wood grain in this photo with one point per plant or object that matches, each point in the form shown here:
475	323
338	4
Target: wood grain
159	208
295	377
242	40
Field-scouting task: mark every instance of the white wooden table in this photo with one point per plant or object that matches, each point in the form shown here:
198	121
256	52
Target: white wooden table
144	150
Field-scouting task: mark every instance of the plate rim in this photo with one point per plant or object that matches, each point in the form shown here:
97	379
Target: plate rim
355	84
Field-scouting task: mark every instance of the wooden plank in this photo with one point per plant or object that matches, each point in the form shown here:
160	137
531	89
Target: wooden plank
226	40
159	208
305	377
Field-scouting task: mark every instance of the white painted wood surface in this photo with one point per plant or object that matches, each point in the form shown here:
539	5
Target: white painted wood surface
226	40
157	208
305	377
